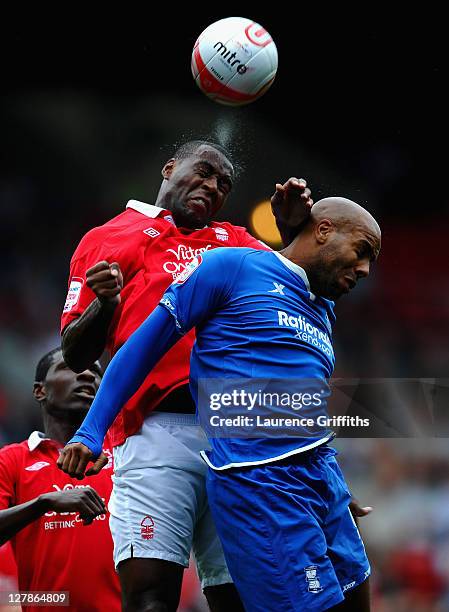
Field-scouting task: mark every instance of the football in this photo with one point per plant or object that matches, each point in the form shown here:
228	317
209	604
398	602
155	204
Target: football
234	61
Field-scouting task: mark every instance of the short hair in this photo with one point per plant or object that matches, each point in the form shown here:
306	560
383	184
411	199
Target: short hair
186	149
47	360
182	151
45	364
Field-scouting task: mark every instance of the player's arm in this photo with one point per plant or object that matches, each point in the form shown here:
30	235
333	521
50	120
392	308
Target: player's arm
291	204
84	339
86	501
184	305
124	375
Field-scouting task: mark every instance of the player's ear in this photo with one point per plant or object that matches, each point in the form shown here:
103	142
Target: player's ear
168	168
39	391
323	229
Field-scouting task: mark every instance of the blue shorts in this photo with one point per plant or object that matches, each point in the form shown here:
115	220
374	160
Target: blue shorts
288	536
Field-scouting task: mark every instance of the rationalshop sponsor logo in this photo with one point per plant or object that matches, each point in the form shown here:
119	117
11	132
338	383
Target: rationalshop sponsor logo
306	331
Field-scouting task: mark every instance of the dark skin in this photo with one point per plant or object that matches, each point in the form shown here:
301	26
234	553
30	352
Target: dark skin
343	239
194	189
155	584
106	279
207	175
65	398
336	247
291	205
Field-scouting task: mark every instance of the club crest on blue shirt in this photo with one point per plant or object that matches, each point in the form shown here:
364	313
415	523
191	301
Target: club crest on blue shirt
312	578
188	270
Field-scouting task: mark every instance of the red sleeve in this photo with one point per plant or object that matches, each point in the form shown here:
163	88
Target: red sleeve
8	477
90	251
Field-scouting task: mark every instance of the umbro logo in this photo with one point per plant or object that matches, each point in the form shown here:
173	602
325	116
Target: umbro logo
278	288
37	466
151	232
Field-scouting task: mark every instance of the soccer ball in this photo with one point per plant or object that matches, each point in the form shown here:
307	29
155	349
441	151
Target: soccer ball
234	61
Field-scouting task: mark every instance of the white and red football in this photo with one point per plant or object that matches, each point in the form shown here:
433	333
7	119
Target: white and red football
234	61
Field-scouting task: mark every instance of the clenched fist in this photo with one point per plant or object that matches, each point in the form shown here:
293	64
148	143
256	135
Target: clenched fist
106	281
291	202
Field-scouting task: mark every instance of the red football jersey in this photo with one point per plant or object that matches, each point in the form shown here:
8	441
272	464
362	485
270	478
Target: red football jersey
8	569
151	252
57	552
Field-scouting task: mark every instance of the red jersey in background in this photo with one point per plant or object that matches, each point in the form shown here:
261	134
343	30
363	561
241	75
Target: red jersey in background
57	552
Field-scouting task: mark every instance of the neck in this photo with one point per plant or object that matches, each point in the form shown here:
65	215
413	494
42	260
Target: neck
160	203
61	429
296	252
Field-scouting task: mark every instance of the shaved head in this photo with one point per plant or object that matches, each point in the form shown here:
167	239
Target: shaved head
345	214
337	246
348	216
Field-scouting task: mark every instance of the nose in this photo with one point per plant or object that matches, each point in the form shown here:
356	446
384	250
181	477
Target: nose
211	182
86	376
362	269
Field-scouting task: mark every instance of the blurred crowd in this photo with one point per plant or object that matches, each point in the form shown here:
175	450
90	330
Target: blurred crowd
395	326
407	534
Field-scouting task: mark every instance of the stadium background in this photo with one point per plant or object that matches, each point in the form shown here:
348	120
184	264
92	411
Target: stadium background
91	110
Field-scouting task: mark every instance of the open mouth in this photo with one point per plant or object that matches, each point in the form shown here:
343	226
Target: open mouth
86	392
199	204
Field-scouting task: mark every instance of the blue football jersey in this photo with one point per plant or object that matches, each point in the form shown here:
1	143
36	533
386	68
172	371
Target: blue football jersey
260	332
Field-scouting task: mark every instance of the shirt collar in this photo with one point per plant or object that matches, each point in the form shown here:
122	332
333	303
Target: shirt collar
35	439
146	209
297	270
153	211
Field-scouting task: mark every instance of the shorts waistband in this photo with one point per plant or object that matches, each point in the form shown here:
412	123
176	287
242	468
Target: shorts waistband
172	418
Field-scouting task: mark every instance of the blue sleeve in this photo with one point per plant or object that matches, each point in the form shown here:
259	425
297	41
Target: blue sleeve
204	287
192	298
124	375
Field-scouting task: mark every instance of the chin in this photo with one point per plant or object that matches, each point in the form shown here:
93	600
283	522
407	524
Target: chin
82	406
333	293
188	220
196	222
195	218
338	294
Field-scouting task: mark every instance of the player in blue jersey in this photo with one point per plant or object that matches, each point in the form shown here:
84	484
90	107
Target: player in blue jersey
279	500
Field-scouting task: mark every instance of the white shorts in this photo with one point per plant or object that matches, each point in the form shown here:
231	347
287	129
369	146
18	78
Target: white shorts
158	505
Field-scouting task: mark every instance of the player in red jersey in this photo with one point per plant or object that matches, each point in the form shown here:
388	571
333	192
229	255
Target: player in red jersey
118	274
8	573
50	518
121	269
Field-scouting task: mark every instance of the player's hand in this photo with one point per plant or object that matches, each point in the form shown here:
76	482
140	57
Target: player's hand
291	202
106	281
358	511
86	501
74	458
